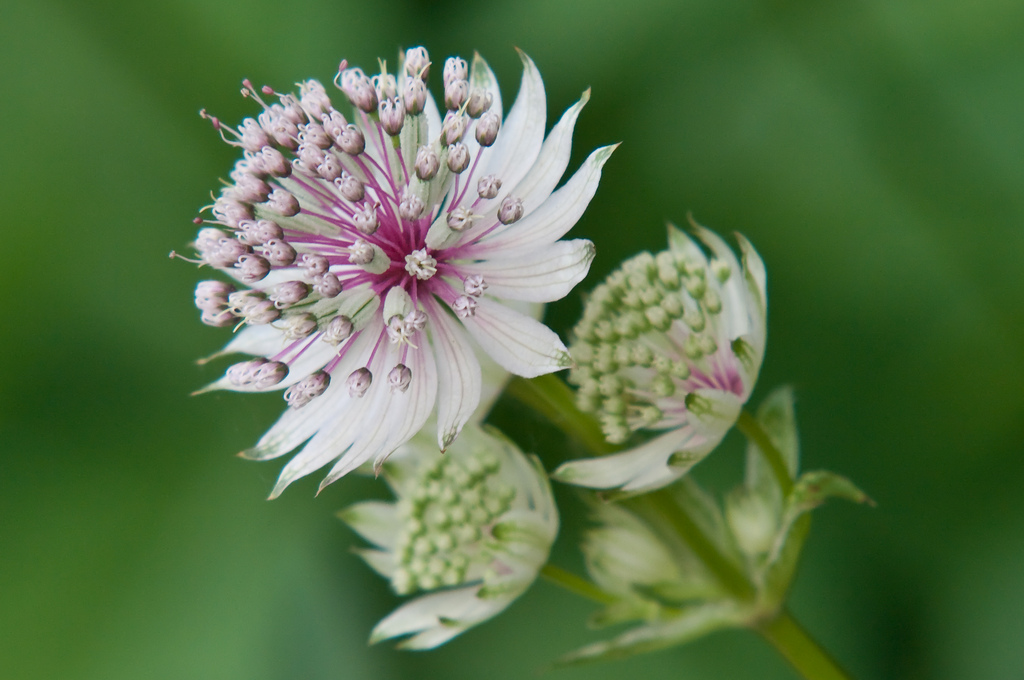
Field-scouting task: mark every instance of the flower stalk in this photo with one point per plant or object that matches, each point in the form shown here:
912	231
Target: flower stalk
802	652
552	398
752	430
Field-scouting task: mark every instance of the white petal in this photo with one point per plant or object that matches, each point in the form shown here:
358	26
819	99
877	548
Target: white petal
553	218
298	425
481	76
665	458
395	416
376	521
543	177
645	466
381	561
518	343
459	376
543	275
522	132
340	426
436	618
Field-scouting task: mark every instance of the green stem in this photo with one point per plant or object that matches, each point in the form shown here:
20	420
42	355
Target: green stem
752	430
551	397
799	649
728	574
575	584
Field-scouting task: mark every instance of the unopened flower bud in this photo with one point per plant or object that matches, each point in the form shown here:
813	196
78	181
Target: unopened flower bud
298	326
213	295
313	98
231	211
392	115
487	128
360	252
479	101
288	293
313	264
455	68
359	90
399	378
334	124
253	137
282	203
488	186
475	285
365	218
307	389
464	307
314	133
359	381
273	162
351	140
458	157
455	93
414	96
339	329
327	285
350	187
252	268
460	219
511	210
453	127
427	163
226	252
279	253
417	63
411	206
217	317
329	167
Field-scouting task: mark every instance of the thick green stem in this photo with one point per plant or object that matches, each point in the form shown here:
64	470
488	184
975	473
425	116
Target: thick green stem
574	584
799	649
752	430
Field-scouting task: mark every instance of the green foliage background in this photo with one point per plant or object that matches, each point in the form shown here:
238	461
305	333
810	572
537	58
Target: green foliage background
873	151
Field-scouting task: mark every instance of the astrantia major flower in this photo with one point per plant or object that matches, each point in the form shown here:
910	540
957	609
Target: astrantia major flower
671	343
471	529
372	251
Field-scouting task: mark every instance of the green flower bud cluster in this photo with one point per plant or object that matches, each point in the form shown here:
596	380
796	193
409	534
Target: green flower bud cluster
447	518
643	333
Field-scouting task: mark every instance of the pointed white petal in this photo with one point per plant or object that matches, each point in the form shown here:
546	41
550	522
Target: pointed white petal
337	429
459	376
481	76
381	561
396	416
376	521
545	174
522	133
543	275
553	218
436	618
645	466
518	343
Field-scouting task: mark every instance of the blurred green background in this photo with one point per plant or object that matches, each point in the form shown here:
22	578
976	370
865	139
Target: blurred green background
872	151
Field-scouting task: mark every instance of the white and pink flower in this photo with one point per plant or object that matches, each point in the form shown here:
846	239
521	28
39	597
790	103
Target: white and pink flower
378	253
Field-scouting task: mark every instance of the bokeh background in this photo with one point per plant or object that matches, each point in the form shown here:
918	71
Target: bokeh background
873	151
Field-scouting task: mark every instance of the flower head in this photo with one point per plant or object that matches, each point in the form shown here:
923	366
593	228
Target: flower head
376	251
670	343
471	528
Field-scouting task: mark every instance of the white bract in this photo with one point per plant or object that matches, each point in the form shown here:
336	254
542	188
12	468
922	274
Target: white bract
472	528
671	343
381	252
